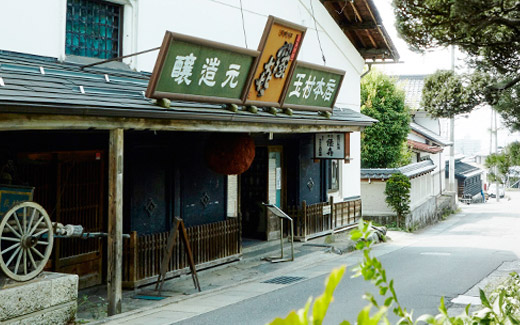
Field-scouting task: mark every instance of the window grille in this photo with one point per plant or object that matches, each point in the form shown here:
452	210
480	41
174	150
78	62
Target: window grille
94	29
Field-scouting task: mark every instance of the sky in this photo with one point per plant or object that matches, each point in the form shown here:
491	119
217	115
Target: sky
475	126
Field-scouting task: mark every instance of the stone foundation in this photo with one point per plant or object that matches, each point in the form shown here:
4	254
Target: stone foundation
429	212
50	298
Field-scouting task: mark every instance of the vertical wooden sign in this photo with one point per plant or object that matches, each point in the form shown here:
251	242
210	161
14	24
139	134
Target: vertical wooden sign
278	48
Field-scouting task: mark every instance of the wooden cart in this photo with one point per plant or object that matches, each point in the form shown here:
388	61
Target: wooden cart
26	234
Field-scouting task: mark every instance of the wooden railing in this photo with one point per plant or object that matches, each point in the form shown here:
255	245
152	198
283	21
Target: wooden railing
211	244
323	218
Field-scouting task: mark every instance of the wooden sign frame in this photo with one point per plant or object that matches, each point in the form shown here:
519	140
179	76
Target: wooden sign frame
178	226
271	21
171	37
313	67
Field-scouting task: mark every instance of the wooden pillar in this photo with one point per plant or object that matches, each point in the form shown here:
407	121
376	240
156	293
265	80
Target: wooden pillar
115	222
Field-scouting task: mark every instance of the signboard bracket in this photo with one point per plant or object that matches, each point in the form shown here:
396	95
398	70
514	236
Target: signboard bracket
119	58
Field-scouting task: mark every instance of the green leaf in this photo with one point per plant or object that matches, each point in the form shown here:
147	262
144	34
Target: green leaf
355	235
513	320
321	304
484	300
364	316
442	307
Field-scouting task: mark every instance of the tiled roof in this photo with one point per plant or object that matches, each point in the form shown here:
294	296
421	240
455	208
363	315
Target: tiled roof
429	134
419	146
410	171
412	86
35	84
464	170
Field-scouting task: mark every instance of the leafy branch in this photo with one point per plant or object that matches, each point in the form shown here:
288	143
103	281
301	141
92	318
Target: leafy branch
502	307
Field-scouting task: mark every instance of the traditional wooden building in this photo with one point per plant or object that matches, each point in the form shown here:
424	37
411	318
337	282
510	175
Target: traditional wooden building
468	179
102	154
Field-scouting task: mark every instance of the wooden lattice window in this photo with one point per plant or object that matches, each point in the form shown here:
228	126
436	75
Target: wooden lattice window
94	29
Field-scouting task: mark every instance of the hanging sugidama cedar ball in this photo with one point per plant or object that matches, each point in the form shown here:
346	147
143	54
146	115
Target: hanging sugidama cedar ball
229	153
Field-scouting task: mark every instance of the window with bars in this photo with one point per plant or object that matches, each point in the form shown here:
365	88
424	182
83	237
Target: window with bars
94	29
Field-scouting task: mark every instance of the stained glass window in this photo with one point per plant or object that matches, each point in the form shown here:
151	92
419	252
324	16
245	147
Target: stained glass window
93	29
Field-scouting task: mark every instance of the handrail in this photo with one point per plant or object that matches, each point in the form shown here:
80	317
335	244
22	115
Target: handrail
282	215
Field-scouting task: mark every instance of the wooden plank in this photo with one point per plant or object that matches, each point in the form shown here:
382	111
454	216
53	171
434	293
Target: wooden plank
115	223
190	256
164	122
168	253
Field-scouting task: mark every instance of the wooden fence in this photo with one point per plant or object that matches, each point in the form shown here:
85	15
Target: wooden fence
211	244
324	218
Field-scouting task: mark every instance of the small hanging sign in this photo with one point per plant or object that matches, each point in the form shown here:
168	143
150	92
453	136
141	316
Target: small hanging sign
329	146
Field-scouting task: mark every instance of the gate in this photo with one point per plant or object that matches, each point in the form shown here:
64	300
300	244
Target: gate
69	185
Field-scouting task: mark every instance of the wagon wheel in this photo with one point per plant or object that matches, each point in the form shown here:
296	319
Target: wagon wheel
26	239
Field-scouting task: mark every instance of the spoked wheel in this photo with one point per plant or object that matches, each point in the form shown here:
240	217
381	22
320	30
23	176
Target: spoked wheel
26	239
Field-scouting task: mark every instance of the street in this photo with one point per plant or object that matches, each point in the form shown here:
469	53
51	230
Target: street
446	259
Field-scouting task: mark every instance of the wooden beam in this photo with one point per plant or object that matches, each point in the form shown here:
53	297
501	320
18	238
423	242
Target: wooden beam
115	222
17	122
358	26
374	44
356	12
374	53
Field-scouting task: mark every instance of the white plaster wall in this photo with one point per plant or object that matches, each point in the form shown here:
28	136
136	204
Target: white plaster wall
373	195
421	190
422	118
221	21
373	199
351	172
39	28
33	26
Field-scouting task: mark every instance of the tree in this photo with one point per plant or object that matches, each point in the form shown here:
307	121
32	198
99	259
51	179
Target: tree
383	145
397	191
488	31
503	162
444	95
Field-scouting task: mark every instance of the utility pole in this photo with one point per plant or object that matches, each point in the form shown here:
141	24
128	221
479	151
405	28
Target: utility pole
452	138
496	153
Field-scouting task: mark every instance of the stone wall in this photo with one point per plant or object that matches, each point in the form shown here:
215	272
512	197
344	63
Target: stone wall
446	203
50	298
427	213
423	215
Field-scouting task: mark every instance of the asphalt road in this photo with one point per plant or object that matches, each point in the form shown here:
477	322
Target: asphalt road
446	259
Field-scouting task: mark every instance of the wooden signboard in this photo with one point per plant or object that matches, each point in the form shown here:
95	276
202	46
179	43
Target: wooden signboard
190	68
313	87
178	226
279	48
329	146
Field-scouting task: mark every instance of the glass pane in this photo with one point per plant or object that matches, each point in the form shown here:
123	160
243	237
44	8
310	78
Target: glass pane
93	28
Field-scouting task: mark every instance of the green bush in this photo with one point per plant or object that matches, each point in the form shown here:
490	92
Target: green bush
397	193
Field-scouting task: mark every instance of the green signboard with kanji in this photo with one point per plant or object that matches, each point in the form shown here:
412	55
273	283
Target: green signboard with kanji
189	68
313	87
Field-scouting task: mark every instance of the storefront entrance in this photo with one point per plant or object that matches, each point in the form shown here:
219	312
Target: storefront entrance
262	183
